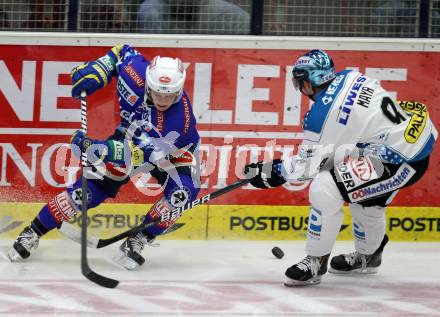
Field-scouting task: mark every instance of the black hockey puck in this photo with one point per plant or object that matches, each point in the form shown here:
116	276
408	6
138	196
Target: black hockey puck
277	252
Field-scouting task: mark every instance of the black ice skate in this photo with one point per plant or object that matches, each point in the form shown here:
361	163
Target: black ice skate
129	254
26	243
308	271
357	262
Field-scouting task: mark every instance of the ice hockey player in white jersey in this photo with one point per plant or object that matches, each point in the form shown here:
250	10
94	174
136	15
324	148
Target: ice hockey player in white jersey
360	147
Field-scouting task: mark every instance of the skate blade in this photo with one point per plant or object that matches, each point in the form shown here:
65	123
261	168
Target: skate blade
14	256
293	283
125	262
368	270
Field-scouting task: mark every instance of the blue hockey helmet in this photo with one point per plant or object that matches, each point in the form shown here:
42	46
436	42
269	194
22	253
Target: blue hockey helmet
315	66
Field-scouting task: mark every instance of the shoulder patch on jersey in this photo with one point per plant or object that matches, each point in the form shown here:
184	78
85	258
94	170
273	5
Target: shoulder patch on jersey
418	120
314	119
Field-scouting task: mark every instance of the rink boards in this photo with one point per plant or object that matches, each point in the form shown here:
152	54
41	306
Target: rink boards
246	109
230	222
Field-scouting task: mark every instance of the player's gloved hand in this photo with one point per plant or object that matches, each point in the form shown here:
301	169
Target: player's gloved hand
116	152
95	149
265	175
80	139
91	76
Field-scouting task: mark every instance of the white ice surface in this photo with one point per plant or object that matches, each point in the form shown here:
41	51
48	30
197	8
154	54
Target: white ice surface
216	278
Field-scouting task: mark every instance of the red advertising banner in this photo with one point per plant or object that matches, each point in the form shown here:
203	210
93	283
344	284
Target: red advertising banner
243	94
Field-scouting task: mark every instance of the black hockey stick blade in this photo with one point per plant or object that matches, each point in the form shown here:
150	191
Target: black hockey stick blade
105	242
69	231
175	226
98	279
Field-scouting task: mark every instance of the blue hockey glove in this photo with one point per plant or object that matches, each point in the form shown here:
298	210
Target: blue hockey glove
92	76
100	148
265	175
79	138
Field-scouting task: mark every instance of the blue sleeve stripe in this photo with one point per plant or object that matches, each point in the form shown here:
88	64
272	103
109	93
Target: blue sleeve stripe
425	151
316	118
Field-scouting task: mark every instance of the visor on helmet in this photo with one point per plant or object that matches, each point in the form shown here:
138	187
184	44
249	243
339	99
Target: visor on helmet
298	78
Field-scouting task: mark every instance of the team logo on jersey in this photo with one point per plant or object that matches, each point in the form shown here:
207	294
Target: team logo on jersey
76	196
363	169
180	197
126	92
355	172
418	120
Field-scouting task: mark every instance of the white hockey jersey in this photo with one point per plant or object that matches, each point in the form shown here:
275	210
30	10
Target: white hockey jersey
355	112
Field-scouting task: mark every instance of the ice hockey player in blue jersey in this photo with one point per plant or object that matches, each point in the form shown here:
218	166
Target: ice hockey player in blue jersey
157	134
360	147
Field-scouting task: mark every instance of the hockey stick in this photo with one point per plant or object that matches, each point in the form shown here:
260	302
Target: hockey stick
85	268
173	214
71	232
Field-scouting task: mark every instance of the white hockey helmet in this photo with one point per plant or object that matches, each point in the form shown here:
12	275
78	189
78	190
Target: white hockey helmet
165	75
